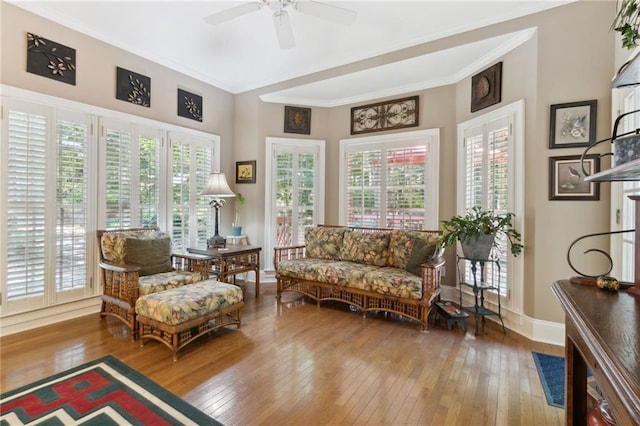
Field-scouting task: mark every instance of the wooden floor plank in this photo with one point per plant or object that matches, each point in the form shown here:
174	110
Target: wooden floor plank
295	363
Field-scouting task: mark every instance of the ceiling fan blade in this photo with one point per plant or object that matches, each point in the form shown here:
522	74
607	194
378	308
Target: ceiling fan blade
283	29
326	11
232	13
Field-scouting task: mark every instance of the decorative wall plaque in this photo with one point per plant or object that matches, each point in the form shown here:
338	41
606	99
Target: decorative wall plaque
133	87
297	120
50	59
189	105
387	115
486	87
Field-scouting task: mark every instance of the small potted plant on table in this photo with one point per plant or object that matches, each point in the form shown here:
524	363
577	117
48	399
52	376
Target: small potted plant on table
236	228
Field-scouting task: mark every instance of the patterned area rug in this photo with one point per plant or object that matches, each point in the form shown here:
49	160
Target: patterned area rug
101	392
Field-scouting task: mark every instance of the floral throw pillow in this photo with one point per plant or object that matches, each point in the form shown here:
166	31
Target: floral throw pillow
368	248
323	243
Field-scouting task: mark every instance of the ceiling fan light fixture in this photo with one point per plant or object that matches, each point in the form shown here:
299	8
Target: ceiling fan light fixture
283	29
326	11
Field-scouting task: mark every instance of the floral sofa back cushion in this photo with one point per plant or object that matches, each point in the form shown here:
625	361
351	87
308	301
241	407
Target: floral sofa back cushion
324	243
367	248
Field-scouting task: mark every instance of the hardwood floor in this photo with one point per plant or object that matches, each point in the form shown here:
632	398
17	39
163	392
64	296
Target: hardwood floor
296	364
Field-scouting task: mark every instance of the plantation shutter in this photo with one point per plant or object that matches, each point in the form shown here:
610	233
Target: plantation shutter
72	205
295	188
364	188
192	217
26	165
486	184
405	187
118	179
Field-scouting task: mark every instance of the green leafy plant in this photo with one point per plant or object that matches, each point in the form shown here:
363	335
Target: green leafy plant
479	222
239	203
627	21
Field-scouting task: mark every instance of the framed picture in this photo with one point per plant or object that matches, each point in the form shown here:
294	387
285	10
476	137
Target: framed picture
133	87
245	172
50	59
573	124
486	87
189	105
297	120
566	179
388	115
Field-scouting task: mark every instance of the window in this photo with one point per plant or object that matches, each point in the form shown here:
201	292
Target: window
390	181
295	199
60	181
47	206
489	154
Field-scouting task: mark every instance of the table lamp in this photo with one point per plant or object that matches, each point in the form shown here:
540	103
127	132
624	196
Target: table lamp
218	188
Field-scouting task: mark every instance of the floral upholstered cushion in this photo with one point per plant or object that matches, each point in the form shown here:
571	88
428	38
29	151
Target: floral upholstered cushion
367	248
323	243
325	271
159	282
394	282
401	245
185	303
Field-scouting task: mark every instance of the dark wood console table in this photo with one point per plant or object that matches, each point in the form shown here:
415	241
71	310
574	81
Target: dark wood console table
603	334
232	260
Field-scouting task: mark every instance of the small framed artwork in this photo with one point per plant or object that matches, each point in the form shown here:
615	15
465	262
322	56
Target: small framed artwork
297	120
566	178
245	172
573	124
486	87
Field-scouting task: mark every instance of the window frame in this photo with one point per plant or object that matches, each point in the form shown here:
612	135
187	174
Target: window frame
513	299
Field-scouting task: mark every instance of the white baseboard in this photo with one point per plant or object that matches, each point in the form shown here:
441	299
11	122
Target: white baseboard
11	324
531	328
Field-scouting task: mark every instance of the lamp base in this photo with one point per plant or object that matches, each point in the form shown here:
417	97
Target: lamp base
216	242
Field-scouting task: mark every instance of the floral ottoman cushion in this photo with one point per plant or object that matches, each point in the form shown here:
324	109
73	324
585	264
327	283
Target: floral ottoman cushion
188	302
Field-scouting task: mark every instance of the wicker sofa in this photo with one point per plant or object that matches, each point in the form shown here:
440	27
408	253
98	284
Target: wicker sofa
372	269
138	261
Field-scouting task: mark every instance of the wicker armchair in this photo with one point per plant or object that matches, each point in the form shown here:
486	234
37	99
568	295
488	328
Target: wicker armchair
139	261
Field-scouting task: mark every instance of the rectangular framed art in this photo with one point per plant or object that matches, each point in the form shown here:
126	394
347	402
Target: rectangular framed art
566	180
573	124
245	171
297	120
395	114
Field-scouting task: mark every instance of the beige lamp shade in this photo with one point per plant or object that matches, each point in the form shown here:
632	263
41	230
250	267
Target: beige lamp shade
217	186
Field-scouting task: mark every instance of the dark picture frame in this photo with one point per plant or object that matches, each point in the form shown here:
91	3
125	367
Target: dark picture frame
566	179
246	171
395	114
297	120
486	87
573	124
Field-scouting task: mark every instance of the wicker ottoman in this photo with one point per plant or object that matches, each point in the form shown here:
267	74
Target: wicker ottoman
178	316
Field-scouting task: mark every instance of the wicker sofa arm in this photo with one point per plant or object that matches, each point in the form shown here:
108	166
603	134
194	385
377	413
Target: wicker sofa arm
288	253
121	282
431	278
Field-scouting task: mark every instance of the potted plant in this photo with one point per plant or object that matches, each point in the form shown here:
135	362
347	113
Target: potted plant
477	231
627	21
236	228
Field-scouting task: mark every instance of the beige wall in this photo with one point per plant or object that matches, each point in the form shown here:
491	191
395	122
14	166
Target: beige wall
567	60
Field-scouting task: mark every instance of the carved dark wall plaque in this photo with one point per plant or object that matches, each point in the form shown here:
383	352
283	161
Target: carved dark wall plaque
189	105
387	115
50	59
486	87
133	87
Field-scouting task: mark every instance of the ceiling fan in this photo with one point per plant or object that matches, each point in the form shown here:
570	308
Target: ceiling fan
281	17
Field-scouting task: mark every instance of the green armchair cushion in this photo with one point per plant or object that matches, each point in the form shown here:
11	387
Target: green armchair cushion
421	252
153	256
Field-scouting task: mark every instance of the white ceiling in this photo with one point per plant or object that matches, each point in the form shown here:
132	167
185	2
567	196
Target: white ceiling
243	54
